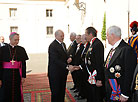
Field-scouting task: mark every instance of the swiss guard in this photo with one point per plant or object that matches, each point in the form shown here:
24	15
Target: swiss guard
133	42
12	70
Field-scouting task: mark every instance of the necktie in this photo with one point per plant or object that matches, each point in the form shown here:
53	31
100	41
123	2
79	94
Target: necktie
69	47
109	58
63	46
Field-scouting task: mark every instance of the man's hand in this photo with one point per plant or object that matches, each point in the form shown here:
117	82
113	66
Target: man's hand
123	99
77	67
71	68
69	60
0	83
99	83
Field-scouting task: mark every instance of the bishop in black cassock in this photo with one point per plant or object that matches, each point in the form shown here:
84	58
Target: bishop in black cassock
12	70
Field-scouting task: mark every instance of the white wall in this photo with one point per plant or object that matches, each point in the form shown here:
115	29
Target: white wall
31	21
117	14
94	15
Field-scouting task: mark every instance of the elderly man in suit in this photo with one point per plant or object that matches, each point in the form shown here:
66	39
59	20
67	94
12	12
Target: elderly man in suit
58	67
2	41
119	67
71	54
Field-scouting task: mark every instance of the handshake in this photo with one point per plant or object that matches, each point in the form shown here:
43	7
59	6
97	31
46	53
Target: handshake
72	68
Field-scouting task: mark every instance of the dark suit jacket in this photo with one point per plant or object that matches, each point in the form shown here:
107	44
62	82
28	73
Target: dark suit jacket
77	58
125	57
5	44
57	60
83	54
95	59
134	78
72	50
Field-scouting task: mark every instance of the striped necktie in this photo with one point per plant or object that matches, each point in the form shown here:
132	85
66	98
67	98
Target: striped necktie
109	57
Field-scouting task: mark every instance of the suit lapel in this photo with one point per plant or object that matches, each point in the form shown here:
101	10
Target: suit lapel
60	46
116	54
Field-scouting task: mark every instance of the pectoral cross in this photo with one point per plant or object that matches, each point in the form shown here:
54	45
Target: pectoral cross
12	61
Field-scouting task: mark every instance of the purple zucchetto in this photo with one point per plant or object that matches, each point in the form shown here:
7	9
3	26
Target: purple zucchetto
12	33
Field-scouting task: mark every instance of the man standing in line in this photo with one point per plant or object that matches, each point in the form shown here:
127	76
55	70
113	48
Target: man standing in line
2	41
94	61
75	48
58	67
93	64
71	54
79	73
119	68
73	40
12	70
133	42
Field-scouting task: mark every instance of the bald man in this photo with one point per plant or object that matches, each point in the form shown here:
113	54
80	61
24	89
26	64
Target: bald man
2	41
58	67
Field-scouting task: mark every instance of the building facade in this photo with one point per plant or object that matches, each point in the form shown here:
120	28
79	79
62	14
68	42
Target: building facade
37	20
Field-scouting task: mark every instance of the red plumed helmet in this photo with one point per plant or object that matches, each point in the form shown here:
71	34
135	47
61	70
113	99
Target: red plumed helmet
134	24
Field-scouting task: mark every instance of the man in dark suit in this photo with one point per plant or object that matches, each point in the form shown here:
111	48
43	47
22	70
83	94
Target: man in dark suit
58	67
71	54
119	67
79	73
2	41
94	60
93	67
73	41
72	48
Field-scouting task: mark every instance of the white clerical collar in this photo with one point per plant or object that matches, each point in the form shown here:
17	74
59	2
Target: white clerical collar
58	41
116	44
12	46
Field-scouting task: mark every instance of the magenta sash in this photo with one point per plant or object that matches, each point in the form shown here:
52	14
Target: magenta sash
16	65
9	65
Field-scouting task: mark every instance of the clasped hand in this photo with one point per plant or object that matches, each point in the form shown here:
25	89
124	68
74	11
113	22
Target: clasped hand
72	68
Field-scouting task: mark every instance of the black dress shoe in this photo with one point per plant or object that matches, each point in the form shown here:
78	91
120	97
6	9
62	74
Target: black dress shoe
72	88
